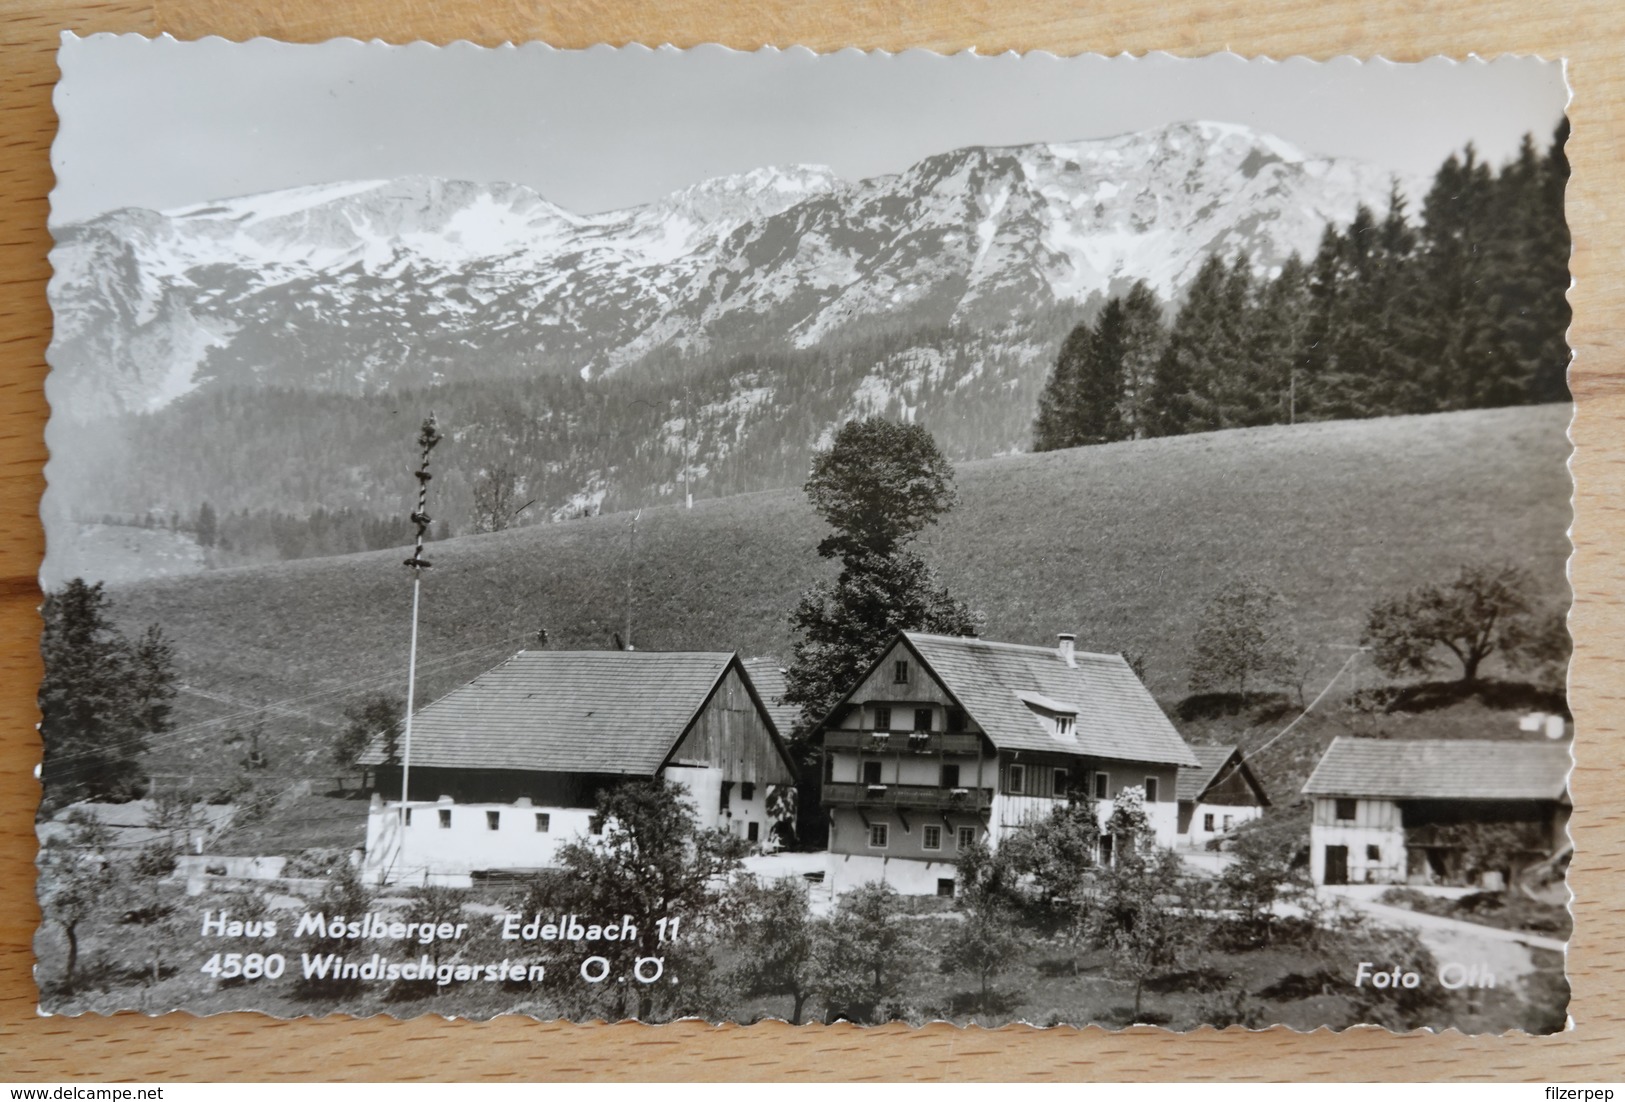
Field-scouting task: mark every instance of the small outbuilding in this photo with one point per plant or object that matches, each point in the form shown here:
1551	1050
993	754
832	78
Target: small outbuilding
1218	795
1453	812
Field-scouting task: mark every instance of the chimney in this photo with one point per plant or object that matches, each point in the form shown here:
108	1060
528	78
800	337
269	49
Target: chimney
1064	643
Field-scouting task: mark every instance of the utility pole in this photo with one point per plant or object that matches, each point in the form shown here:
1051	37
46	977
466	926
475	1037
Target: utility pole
428	437
631	568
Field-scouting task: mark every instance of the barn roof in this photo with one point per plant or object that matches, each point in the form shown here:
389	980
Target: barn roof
1455	769
1210	759
993	682
567	712
768	677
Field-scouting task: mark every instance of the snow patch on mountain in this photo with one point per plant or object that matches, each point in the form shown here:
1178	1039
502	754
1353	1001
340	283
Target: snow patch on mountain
330	286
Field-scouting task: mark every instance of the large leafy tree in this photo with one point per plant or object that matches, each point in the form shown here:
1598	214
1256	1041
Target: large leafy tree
102	699
653	861
1487	609
878	486
865	954
775	941
377	717
1136	918
988	935
1243	640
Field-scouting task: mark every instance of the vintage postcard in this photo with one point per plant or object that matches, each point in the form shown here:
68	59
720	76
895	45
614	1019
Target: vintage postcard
649	534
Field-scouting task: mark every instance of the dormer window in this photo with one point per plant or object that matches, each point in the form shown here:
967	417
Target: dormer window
1058	717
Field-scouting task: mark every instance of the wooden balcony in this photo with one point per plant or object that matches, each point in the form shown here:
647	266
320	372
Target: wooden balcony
904	742
927	796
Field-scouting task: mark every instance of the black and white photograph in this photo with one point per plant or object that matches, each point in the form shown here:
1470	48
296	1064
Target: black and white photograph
651	534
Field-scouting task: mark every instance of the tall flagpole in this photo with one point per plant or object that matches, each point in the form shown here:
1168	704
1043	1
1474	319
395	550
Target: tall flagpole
428	437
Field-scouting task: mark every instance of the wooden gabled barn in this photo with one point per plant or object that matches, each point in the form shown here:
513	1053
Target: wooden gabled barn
1454	812
509	766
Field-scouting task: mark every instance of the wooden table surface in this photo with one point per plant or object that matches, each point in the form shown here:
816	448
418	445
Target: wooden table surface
1589	33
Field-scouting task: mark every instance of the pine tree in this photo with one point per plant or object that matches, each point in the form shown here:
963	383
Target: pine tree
1181	399
1098	418
1056	426
101	700
1144	337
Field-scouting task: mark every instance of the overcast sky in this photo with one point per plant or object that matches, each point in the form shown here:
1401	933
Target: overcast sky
163	124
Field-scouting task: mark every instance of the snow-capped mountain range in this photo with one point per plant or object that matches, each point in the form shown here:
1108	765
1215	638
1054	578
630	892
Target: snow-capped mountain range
359	284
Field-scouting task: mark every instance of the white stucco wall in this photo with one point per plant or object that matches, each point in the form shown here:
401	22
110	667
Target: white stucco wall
468	844
1376	823
1237	814
907	875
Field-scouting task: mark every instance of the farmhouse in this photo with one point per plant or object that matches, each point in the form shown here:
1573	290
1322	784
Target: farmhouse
1453	812
947	740
1218	795
508	767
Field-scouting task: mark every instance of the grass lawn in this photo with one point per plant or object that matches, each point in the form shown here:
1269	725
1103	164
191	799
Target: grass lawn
1122	543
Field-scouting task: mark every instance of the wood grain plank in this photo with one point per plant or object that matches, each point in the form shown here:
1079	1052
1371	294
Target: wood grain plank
241	1046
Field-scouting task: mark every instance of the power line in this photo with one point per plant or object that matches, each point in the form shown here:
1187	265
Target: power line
1335	678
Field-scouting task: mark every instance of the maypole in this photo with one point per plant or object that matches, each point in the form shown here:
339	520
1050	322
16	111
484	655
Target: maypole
428	437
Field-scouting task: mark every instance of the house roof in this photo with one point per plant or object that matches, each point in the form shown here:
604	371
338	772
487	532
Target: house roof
567	712
1117	718
1210	759
1456	769
768	677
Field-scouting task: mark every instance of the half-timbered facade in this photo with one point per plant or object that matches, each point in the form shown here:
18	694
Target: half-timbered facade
947	740
1454	812
507	768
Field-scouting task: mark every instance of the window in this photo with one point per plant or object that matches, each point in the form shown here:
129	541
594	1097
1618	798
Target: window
727	793
871	772
1017	783
931	837
544	822
445	818
595	824
967	837
950	776
945	889
1059	788
922	719
882	717
899	673
1207	823
829	768
1373	853
878	833
747	790
753	832
1345	810
1103	784
408	816
956	719
493	820
1151	790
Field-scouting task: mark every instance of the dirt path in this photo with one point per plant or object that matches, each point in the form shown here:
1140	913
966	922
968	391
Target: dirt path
1503	953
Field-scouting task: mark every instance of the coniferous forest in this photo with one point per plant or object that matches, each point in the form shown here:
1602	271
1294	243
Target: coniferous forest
1461	305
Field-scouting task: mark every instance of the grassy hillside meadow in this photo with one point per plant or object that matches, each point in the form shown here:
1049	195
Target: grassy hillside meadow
1121	543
